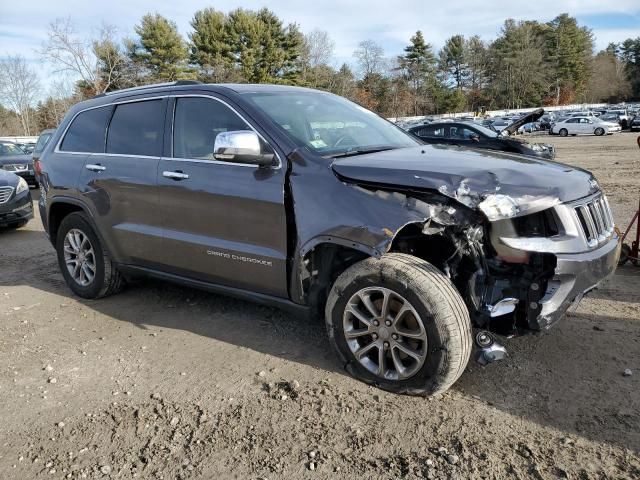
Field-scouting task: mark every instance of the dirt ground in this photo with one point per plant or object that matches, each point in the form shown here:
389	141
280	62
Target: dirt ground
166	382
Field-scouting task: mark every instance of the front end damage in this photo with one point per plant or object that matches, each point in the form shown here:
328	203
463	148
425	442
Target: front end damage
518	253
520	271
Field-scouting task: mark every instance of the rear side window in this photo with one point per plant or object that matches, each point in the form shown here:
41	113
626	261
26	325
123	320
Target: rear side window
431	132
87	131
197	123
136	129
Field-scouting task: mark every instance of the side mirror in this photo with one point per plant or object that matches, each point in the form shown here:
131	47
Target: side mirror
241	146
475	138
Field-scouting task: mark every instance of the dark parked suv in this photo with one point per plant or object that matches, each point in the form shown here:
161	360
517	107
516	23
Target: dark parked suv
302	199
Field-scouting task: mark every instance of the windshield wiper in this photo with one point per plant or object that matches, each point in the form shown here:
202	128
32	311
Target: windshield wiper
361	151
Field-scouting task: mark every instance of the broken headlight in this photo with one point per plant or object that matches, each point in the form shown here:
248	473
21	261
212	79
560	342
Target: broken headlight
499	207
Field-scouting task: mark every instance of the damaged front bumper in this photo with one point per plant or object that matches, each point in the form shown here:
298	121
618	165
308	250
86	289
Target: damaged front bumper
575	275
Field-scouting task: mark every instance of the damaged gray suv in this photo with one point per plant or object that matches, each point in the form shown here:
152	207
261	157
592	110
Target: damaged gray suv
412	253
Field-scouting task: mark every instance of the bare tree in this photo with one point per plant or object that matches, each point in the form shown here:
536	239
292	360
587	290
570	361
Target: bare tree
96	62
370	57
19	86
316	52
319	47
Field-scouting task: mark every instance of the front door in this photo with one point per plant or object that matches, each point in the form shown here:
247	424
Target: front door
224	223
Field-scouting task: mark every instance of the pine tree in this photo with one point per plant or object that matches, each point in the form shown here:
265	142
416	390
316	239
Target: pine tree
161	49
418	64
452	60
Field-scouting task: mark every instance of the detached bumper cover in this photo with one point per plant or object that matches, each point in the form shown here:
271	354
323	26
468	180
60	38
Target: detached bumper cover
575	275
16	210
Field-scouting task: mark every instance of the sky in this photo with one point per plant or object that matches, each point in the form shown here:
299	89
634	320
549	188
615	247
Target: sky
389	23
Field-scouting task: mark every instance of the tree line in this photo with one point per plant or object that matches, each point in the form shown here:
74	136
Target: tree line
529	64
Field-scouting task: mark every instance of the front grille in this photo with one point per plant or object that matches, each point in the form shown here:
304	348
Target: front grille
5	194
595	219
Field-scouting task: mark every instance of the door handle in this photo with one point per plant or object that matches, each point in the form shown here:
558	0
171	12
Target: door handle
95	167
177	175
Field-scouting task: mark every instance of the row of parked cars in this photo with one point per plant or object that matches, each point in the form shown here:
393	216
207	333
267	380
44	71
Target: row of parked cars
17	172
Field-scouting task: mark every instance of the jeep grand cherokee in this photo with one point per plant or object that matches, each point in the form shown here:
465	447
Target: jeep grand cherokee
302	199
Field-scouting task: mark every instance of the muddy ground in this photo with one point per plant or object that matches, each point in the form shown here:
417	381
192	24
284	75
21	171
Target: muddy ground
166	382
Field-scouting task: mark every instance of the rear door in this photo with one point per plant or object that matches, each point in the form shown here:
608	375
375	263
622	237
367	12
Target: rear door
120	182
224	222
572	125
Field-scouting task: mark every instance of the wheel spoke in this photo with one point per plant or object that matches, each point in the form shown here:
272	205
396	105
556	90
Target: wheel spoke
385	304
401	313
416	334
88	274
361	352
360	332
366	300
381	361
359	315
397	362
408	351
69	249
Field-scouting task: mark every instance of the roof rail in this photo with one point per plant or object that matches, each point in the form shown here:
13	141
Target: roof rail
153	85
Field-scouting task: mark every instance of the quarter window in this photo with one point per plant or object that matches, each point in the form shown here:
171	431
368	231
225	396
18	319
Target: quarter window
197	123
87	131
136	128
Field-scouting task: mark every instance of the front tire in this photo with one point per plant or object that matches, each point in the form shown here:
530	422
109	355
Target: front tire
399	323
84	262
599	131
563	132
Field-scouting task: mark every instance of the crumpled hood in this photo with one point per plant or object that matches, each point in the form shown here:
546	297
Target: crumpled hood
15	159
471	176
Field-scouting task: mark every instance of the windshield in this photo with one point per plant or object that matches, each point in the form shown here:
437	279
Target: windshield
330	125
486	131
8	149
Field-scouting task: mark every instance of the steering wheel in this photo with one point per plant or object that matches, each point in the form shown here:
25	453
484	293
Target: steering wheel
342	138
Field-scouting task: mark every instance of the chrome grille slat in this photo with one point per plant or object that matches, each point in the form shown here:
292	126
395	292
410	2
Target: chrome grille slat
5	194
595	218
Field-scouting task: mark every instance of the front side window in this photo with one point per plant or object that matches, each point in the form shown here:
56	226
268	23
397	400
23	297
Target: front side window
87	132
462	133
197	122
329	125
136	129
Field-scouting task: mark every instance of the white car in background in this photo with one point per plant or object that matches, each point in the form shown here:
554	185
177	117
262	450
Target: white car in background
583	126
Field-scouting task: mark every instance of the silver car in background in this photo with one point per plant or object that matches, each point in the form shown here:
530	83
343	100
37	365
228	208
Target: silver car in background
584	126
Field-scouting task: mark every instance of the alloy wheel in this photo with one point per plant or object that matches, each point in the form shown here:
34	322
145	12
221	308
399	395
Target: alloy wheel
79	257
385	333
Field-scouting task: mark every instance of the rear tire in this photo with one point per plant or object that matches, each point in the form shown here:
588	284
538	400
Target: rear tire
423	346
599	131
563	132
89	271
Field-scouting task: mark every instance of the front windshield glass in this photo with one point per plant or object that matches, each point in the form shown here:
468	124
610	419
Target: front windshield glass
329	125
486	131
8	149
